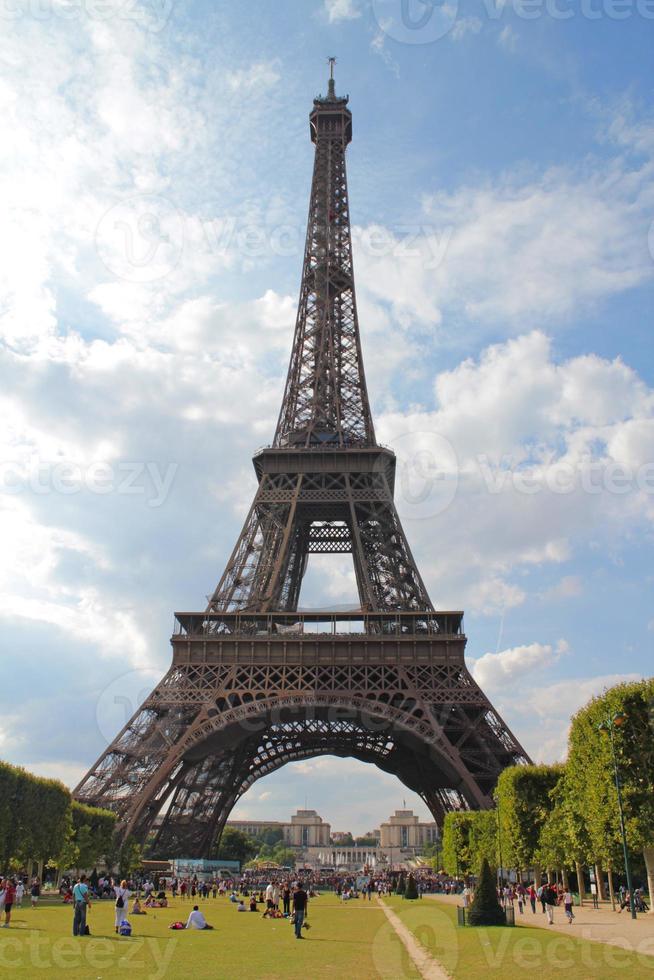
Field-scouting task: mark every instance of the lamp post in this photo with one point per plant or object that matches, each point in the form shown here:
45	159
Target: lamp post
499	844
609	725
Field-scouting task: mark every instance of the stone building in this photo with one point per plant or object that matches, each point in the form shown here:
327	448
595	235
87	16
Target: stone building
404	830
305	829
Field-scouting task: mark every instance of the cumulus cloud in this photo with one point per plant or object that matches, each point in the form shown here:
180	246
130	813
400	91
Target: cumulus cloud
530	455
338	10
525	249
497	669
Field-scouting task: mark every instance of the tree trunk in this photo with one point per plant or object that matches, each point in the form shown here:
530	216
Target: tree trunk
580	882
648	854
609	872
564	878
538	874
599	881
549	875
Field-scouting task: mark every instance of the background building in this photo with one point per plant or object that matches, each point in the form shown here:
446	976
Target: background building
400	839
404	830
305	829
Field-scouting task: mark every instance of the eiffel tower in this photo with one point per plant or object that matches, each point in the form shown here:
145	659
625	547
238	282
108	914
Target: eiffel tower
255	684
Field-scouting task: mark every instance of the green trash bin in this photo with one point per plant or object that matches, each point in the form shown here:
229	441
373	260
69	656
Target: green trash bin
460	915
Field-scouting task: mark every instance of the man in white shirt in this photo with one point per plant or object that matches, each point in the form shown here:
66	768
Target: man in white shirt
269	895
196	920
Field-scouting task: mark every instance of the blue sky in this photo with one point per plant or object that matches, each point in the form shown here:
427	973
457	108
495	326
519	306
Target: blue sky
154	193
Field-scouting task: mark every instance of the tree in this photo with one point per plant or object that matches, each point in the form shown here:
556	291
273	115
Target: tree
401	885
456	843
130	857
368	840
485	909
271	835
524	803
235	845
592	795
411	890
34	816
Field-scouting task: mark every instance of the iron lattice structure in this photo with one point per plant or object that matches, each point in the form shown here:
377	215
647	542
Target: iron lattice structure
255	684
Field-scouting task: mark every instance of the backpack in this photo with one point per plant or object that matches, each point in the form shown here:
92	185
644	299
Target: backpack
119	902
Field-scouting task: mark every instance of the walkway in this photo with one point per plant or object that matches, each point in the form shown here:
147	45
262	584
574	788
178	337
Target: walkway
426	965
600	925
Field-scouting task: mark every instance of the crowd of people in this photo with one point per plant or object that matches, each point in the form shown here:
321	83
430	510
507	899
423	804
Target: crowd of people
274	893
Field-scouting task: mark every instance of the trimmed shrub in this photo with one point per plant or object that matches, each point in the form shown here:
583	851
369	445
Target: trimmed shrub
411	888
485	909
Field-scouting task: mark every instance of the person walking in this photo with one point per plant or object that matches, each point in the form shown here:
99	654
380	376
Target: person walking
35	891
122	898
550	898
20	891
9	898
81	904
532	898
286	898
300	905
567	905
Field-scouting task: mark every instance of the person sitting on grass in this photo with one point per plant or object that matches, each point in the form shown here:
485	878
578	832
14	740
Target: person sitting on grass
136	908
253	903
196	920
241	906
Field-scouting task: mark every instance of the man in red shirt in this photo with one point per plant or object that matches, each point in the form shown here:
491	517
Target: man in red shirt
10	895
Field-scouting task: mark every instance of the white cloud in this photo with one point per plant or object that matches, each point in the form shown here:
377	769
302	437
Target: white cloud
522	249
495	670
463	26
542	714
338	10
535	444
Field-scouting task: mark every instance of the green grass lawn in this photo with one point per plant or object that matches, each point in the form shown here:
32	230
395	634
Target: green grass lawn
345	940
351	939
504	952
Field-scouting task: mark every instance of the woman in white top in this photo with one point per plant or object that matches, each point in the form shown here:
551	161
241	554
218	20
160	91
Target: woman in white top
122	897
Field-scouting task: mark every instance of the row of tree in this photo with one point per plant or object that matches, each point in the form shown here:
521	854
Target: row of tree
41	823
566	817
235	845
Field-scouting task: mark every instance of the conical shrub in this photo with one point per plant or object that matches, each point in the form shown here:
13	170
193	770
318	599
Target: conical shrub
411	888
485	909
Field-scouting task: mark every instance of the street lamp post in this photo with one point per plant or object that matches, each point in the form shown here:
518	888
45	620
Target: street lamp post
609	725
499	845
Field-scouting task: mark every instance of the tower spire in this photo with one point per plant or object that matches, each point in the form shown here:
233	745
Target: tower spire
325	400
331	88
